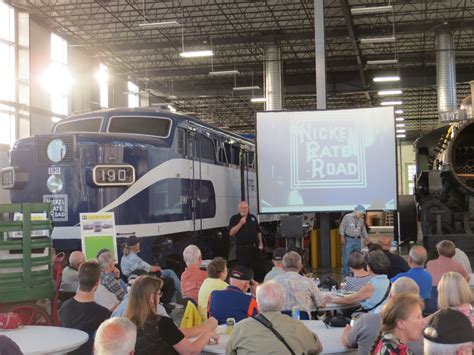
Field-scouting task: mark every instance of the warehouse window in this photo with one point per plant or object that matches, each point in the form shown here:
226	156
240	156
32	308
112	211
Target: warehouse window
133	95
58	79
102	77
7	73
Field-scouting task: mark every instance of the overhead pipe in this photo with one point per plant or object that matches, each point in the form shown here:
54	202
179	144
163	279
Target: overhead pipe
445	72
273	84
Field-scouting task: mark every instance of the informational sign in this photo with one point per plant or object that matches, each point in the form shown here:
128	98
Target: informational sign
59	210
97	232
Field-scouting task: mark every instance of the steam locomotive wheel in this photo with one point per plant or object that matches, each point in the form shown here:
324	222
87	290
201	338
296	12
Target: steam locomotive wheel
31	314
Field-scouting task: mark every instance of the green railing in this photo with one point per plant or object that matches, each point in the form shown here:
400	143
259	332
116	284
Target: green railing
25	261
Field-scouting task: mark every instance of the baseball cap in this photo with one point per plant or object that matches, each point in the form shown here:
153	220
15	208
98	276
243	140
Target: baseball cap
278	254
449	326
359	208
132	240
241	273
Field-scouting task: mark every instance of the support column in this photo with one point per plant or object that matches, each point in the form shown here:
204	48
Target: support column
320	59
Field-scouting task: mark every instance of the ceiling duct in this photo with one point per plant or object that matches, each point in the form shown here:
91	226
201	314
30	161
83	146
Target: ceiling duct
273	84
445	72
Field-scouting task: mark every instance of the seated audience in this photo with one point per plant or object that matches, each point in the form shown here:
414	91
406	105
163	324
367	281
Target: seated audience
454	292
251	337
362	335
397	263
8	346
448	332
416	259
116	336
192	277
277	264
462	260
360	276
81	312
445	262
375	292
157	334
122	307
108	273
402	322
300	291
216	274
131	261
70	275
233	302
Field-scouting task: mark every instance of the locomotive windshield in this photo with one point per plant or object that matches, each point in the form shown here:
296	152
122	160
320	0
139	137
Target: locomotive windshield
151	126
82	125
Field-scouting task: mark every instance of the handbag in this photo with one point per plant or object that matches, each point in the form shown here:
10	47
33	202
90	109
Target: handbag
338	321
9	321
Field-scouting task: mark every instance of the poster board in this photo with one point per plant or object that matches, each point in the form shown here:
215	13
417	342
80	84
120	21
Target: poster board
97	232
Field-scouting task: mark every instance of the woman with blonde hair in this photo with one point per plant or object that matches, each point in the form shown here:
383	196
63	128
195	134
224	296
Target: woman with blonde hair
157	334
454	292
402	322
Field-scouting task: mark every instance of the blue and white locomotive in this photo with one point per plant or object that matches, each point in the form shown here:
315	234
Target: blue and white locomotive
161	173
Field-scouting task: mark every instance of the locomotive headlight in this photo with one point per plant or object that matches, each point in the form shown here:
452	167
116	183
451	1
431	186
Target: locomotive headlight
56	150
55	184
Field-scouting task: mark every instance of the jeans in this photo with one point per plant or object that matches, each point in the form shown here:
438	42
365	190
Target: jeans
351	245
177	284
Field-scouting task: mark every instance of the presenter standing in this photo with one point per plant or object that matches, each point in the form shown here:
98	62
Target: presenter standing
244	226
351	230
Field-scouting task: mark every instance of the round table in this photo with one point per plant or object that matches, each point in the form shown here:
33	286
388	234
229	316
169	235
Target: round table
330	338
46	340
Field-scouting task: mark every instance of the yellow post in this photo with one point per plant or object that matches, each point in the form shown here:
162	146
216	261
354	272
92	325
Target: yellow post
314	248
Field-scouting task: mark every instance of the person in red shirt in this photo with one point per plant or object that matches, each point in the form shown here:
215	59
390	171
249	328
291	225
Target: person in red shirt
445	263
192	277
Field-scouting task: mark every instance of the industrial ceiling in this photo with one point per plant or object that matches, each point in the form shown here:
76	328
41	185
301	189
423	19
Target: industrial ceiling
238	31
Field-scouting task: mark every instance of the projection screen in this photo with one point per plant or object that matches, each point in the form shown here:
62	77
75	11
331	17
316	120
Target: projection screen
326	160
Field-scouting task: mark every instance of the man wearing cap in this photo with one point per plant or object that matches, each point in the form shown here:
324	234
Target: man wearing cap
233	302
246	230
351	230
448	332
278	264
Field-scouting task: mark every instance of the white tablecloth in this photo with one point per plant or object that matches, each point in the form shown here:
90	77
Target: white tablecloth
329	337
46	340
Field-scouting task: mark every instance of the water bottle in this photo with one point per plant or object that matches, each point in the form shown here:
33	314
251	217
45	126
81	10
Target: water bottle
333	291
317	282
295	312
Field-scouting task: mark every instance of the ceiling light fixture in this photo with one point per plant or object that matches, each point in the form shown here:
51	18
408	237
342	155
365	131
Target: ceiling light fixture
378	40
224	73
380	79
401	135
246	88
398	111
391	103
258	99
401	130
382	61
371	10
197	54
389	92
400	125
399	119
165	24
